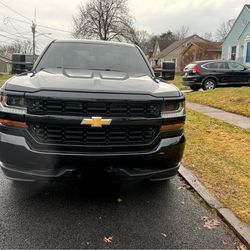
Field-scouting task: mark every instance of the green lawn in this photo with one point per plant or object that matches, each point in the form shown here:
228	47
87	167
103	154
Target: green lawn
219	155
3	78
236	100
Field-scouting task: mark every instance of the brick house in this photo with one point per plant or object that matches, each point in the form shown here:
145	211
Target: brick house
198	51
174	52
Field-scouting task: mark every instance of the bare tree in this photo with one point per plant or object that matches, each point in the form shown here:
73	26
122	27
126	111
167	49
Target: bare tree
181	33
18	46
141	38
207	36
105	20
151	42
223	30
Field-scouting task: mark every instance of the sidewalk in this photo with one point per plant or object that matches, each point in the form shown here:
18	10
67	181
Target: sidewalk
234	119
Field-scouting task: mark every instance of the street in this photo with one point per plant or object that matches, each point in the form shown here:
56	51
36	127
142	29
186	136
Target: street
130	215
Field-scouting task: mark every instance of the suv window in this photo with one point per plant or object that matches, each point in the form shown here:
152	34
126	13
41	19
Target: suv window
235	66
212	65
222	65
90	56
189	66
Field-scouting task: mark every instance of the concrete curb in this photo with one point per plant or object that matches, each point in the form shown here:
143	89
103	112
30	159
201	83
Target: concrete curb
241	229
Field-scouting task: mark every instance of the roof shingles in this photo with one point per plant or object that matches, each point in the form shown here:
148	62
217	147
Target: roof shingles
174	46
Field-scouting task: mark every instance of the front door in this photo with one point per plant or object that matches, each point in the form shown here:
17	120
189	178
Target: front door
223	73
238	73
248	53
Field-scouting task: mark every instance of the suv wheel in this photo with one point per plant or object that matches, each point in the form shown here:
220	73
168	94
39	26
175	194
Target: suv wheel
209	84
194	88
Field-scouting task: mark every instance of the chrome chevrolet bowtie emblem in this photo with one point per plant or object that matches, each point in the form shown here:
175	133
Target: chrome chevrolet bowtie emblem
96	122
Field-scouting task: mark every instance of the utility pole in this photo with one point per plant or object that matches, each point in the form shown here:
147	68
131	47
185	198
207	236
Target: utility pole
33	29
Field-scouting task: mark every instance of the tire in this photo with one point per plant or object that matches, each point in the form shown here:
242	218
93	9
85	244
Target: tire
209	84
195	88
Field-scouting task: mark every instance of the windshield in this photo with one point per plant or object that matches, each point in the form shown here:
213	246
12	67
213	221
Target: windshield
94	57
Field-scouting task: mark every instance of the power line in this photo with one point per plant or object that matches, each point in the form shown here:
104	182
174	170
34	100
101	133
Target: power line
18	20
43	26
13	26
9	37
15	11
46	27
14	34
48	35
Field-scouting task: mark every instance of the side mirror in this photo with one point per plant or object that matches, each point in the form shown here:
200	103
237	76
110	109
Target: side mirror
167	72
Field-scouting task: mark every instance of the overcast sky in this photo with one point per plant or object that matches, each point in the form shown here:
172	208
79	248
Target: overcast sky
155	16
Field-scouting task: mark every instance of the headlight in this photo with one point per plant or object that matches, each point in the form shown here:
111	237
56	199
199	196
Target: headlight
12	104
172	107
15	101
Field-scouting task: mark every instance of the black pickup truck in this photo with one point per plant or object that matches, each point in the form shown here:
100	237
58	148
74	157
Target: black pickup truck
90	105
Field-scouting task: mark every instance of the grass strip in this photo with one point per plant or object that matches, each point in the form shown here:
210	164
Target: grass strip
219	155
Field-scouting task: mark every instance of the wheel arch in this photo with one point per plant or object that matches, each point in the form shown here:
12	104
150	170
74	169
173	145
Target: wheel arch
211	77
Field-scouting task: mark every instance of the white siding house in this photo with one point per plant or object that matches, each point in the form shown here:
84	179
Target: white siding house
237	43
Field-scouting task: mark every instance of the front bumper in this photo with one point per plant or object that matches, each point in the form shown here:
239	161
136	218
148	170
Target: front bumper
192	81
19	161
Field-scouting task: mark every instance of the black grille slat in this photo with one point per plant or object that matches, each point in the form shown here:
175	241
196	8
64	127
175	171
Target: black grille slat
63	134
100	108
81	135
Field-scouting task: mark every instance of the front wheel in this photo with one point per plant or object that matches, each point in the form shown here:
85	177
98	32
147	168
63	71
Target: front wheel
209	84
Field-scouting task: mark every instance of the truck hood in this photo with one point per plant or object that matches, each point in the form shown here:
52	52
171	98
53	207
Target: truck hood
91	81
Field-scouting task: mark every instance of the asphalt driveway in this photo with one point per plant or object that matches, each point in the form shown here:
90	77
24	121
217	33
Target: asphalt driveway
129	215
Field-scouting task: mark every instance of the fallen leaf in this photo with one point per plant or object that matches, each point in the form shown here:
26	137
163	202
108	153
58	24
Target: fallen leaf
119	200
210	223
164	235
224	242
241	247
184	185
108	239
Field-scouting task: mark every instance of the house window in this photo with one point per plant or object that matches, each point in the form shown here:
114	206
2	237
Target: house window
248	52
233	53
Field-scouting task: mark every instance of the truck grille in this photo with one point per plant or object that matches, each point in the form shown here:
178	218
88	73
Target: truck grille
88	136
98	108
